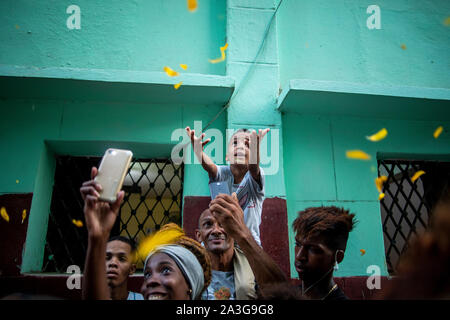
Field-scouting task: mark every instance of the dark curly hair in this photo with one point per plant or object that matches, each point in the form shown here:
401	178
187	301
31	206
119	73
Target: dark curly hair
333	224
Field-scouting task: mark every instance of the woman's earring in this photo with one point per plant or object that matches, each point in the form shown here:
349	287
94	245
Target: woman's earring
336	266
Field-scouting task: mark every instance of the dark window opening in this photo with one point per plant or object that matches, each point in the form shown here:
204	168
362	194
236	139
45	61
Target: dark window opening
153	197
407	206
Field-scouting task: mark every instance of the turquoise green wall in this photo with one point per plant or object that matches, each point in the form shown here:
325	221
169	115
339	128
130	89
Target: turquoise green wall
131	35
317	40
329	40
83	128
318	172
254	103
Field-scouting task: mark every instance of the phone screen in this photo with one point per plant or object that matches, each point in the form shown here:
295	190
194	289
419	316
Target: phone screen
217	188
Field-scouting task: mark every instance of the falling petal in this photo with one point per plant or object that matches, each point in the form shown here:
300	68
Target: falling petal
417	175
379	182
222	58
170	72
438	132
77	223
24	215
381	196
176	86
192	5
17	181
4	214
184	66
363	252
380	135
403	46
17	26
447	22
357	154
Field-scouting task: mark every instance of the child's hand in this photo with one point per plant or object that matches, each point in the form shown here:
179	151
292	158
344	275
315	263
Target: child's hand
255	140
196	141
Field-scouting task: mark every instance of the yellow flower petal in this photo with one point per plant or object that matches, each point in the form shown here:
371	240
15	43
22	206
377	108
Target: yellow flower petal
17	181
437	132
417	175
222	58
447	22
403	46
184	66
176	86
170	72
380	135
4	214
357	154
363	252
77	223
379	182
24	215
192	5
381	196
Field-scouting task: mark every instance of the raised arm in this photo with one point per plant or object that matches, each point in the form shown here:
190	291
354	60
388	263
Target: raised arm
253	166
228	212
202	157
100	217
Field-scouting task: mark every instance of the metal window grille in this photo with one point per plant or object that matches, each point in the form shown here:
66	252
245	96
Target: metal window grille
407	206
153	197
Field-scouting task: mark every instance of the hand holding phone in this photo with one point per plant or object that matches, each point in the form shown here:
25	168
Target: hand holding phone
217	188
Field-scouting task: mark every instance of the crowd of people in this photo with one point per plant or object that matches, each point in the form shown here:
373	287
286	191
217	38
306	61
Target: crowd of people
226	260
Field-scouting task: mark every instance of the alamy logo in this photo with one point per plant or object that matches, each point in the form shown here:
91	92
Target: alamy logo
374	21
74	280
74	21
268	149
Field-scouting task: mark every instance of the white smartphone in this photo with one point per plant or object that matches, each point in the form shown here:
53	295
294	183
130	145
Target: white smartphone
217	188
111	173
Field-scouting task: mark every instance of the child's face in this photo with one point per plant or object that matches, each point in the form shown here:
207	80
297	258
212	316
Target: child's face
239	148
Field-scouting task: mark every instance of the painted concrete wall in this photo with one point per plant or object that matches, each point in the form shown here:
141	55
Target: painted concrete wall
329	40
129	35
320	174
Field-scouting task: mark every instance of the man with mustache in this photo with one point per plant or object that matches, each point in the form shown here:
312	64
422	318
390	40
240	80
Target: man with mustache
236	271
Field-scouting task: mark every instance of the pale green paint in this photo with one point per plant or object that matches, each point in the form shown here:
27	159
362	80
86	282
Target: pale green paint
128	35
329	40
113	85
318	173
368	218
362	100
33	252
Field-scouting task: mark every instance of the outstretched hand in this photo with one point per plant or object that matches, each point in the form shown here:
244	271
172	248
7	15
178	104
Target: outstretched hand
229	214
100	216
255	140
197	142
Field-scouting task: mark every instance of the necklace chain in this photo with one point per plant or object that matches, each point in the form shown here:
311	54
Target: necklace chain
332	289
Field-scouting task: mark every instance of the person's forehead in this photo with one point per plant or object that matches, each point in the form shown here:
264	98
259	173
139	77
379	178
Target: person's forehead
241	135
117	246
206	216
158	259
311	241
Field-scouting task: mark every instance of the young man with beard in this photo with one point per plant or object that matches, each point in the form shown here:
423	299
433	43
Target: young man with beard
235	270
320	242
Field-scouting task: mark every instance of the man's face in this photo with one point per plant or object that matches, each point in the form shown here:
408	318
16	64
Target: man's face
239	148
313	259
212	234
118	263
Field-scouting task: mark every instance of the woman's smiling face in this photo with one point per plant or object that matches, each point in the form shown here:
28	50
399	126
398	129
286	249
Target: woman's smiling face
163	279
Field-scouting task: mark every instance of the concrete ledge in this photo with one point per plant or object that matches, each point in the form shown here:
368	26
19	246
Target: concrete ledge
113	85
364	100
